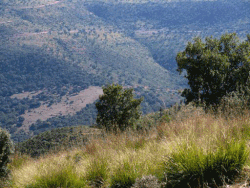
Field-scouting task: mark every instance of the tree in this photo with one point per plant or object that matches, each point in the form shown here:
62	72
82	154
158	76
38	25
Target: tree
6	148
117	108
215	68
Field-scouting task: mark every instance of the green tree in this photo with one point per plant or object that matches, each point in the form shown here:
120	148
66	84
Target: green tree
117	108
215	67
6	148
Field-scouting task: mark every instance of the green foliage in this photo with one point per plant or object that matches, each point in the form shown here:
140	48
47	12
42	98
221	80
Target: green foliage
64	178
97	172
57	139
117	108
18	161
136	144
120	41
191	166
6	148
215	68
124	176
234	104
145	123
165	118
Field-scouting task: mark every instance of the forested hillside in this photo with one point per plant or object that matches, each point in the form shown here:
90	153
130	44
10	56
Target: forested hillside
52	52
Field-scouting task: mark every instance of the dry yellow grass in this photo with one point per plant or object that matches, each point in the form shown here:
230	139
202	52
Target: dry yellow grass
144	153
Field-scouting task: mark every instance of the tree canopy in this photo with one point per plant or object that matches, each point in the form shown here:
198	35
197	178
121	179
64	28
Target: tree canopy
117	108
215	67
6	148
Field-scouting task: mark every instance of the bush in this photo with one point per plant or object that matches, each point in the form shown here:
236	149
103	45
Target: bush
234	104
190	166
6	148
117	108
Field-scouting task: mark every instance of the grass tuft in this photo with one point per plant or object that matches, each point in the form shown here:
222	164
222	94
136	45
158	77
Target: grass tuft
18	161
59	175
124	176
136	144
191	166
97	172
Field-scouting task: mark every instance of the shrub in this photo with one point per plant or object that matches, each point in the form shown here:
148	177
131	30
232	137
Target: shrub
145	123
165	118
234	104
193	167
6	148
117	108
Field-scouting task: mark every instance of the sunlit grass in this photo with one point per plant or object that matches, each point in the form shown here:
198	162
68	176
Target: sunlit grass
191	166
181	152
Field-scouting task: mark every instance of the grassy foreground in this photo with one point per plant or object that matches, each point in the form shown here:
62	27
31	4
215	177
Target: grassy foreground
194	149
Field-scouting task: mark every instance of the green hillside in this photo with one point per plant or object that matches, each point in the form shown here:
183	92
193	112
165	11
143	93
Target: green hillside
164	27
55	50
57	139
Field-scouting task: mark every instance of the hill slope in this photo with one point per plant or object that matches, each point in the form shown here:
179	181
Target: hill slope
57	49
193	144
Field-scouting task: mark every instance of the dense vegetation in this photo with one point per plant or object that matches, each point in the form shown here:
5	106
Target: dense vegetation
34	72
133	43
54	140
165	27
117	108
6	149
215	68
181	152
183	146
67	57
60	48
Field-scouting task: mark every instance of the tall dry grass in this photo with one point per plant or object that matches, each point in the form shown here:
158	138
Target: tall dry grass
178	153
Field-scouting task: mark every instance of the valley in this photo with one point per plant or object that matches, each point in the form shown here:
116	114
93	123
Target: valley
53	54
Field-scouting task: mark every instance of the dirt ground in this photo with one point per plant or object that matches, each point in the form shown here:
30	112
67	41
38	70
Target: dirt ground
68	105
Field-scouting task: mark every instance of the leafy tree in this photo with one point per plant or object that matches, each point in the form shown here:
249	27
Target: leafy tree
6	148
117	108
215	68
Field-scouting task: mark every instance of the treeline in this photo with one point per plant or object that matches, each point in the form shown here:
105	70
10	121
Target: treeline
55	139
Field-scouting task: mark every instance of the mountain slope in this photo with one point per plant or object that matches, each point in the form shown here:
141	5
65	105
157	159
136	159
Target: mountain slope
59	48
55	50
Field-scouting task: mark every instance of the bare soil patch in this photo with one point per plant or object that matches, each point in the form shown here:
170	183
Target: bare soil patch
25	95
68	105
